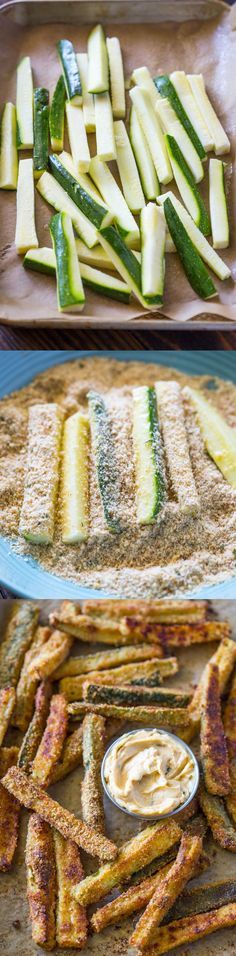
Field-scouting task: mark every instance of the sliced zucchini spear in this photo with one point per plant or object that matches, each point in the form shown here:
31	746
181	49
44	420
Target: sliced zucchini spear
116	73
70	69
43	260
114	199
105	139
25	235
149	469
70	291
56	196
98	73
171	124
143	158
128	171
152	132
167	90
88	101
219	137
75	479
24	104
187	186
105	460
98	214
77	137
56	115
123	259
142	77
183	90
194	268
8	156
219	437
153	235
82	178
199	241
41	130
218	205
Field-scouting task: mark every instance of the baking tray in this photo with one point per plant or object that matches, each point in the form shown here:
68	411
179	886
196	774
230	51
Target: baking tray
15	934
205	42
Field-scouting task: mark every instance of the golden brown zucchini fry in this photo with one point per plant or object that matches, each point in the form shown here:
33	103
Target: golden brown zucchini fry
110	622
165	716
179	635
191	928
150	843
133	695
165	894
32	796
71	756
94	741
9	812
140	673
31	740
229	721
221	827
17	639
169	611
71	921
51	745
224	658
41	881
105	659
213	744
51	655
27	685
7	703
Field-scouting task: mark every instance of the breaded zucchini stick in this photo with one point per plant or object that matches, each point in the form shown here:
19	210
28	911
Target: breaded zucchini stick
7	703
27	685
41	881
19	634
229	721
221	827
165	894
9	812
94	741
32	738
180	635
42	473
201	899
224	658
172	423
170	612
71	920
191	928
173	717
150	843
32	796
51	655
115	622
132	695
105	659
145	671
51	745
71	756
213	744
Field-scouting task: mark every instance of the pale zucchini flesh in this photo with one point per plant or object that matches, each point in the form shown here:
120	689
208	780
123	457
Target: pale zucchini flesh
37	516
152	132
183	89
199	241
114	199
218	205
116	74
98	72
70	69
41	260
8	155
187	186
167	90
146	168
153	234
105	139
57	197
96	257
56	116
82	178
142	77
75	479
194	268
94	211
127	167
77	137
218	436
25	235
172	125
87	98
220	138
70	293
24	104
149	474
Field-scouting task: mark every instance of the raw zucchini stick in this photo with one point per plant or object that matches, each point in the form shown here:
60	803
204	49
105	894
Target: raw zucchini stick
142	77
41	479
149	465
150	843
27	684
43	260
213	744
41	881
189	929
222	829
128	170
98	73
65	162
56	196
7	703
71	75
56	116
130	695
116	75
71	756
172	424
53	652
146	168
137	673
166	893
187	186
24	104
32	796
105	659
152	132
71	921
105	460
9	813
77	137
218	205
8	154
202	246
183	89
16	641
70	293
94	740
51	745
114	199
75	479
224	658
41	131
105	138
172	125
87	98
149	716
153	237
96	257
25	234
124	261
168	92
31	741
194	268
218	135
219	437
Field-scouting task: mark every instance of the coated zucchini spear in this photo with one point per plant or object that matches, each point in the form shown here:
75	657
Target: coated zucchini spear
221	827
165	716
41	481
7	702
172	423
9	812
94	738
224	658
105	458
132	695
50	747
71	921
71	756
75	479
106	659
32	738
229	721
50	655
189	929
18	636
27	684
41	881
213	743
119	622
140	673
148	456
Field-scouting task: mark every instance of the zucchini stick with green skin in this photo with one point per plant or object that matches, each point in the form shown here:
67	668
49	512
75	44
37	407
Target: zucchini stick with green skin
220	139
189	929
172	424
94	741
94	210
124	261
75	479
25	234
77	137
213	744
219	437
153	236
194	268
42	473
153	133
51	744
105	138
28	683
183	90
172	125
114	199
148	670
149	465
87	98
187	186
167	91
70	293
71	75
18	636
41	881
32	738
71	921
132	695
199	241
218	205
105	460
8	154
219	822
128	170
83	179
56	116
44	260
41	131
7	702
116	75
98	71
57	197
24	104
166	716
146	168
106	659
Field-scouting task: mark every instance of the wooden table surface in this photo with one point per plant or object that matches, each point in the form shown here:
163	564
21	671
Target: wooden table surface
11	338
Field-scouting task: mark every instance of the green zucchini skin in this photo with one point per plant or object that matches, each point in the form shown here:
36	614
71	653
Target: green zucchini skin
36	266
125	254
19	634
105	460
174	150
109	293
202	899
68	294
41	128
94	211
129	696
56	115
166	89
70	70
193	265
157	451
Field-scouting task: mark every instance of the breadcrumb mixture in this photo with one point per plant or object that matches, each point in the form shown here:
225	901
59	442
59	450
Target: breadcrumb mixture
172	556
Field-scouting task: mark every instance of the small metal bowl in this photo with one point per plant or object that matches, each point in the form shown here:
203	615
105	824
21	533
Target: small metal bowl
157	816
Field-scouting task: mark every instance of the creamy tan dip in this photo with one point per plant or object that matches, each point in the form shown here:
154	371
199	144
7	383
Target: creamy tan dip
149	773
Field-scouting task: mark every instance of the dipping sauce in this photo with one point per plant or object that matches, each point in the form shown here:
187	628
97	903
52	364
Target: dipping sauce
149	772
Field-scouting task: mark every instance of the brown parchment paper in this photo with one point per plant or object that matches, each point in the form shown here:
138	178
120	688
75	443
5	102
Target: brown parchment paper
195	45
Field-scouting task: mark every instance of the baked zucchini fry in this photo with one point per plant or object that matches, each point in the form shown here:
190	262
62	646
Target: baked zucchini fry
7	703
42	472
9	812
105	659
172	423
132	695
224	658
229	721
121	625
71	921
184	635
41	881
166	893
71	757
165	716
32	738
94	741
221	827
162	612
140	673
17	639
32	796
51	655
201	899
190	929
27	685
150	843
213	744
51	745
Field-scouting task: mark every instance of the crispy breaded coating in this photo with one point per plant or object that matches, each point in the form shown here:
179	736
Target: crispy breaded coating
71	757
9	812
94	741
221	827
191	928
213	744
32	796
132	695
224	658
31	741
19	634
178	635
51	655
160	611
115	622
106	659
51	745
71	920
165	716
140	673
41	881
27	685
7	703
